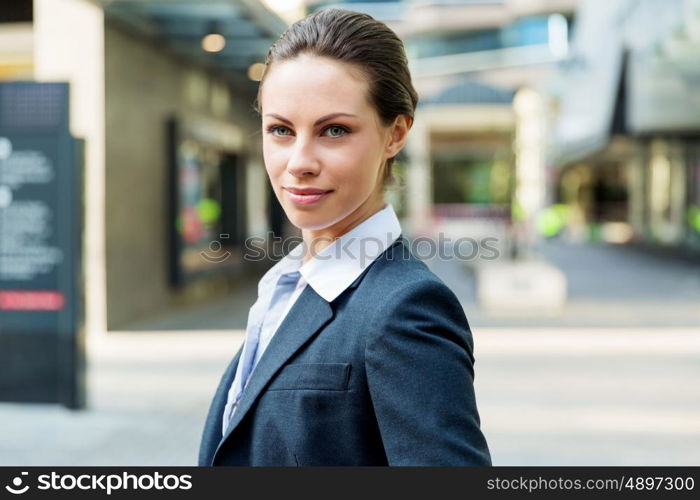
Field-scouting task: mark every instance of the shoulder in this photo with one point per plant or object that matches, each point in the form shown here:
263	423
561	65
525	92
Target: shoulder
400	292
398	275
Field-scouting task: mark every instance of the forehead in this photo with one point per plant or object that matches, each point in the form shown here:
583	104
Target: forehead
311	84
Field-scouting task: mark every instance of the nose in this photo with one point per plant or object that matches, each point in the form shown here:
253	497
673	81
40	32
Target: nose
302	160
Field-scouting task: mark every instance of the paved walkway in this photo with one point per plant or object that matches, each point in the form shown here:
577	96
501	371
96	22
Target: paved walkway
590	396
607	286
546	397
148	396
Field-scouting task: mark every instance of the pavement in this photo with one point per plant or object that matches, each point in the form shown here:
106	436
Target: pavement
603	396
607	286
612	380
148	395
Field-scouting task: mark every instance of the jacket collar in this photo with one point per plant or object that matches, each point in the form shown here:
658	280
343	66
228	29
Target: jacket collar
339	264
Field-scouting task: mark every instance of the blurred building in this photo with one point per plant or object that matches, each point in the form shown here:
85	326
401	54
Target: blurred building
627	142
162	93
523	104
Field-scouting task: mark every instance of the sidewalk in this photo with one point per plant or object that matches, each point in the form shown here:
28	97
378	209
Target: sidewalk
608	286
148	395
545	396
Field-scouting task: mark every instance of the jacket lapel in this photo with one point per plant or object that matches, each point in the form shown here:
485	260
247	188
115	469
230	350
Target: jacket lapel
306	317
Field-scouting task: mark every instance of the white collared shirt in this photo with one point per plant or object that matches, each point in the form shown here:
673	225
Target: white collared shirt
329	273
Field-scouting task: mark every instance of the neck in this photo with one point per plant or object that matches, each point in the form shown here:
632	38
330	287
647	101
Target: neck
318	239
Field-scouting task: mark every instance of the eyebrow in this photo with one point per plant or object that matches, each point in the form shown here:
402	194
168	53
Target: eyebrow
317	122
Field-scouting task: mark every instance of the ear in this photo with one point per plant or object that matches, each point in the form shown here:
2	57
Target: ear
398	133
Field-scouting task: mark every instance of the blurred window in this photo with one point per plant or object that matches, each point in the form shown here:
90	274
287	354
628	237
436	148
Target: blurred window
526	31
470	179
456	43
522	32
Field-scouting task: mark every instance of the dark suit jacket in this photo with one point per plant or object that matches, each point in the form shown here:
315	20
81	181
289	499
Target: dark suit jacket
382	375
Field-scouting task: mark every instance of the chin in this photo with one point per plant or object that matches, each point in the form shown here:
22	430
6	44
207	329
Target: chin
309	221
316	219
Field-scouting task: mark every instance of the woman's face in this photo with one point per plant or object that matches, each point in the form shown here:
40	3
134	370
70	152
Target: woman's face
323	144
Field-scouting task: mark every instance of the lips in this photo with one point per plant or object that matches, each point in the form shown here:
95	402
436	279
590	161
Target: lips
306	196
307	190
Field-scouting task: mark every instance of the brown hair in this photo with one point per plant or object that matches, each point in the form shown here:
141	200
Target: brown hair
359	39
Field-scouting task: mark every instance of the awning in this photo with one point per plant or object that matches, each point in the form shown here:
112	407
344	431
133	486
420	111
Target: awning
248	26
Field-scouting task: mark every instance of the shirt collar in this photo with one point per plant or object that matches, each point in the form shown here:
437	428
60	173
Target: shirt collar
335	267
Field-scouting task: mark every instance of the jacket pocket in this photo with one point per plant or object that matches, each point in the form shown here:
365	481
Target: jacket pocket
318	376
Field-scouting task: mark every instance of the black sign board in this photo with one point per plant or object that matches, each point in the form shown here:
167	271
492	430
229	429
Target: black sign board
42	354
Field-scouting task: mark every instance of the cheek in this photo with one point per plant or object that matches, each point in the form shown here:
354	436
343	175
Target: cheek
368	164
358	176
361	153
371	157
273	161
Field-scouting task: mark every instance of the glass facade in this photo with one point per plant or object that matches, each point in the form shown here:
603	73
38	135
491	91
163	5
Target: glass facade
521	32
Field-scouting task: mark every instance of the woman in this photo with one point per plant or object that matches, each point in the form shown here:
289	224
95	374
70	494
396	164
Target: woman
355	352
